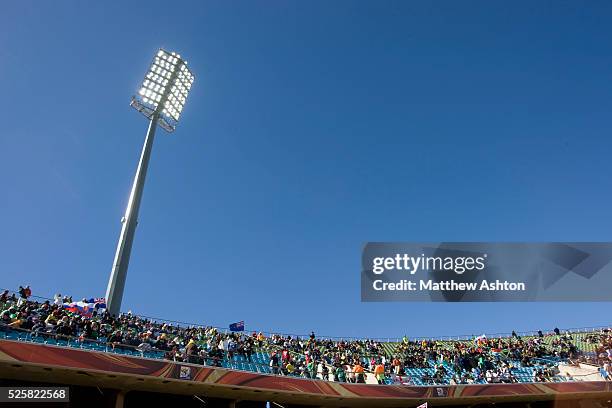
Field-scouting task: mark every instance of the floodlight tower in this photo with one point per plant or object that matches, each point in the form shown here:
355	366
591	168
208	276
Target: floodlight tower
161	99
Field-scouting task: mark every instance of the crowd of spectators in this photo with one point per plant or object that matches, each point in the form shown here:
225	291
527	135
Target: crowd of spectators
602	356
481	360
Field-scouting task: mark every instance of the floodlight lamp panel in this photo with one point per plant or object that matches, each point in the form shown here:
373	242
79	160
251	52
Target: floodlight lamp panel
164	89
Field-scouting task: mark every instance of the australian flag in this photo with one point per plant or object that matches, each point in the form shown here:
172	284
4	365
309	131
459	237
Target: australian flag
238	326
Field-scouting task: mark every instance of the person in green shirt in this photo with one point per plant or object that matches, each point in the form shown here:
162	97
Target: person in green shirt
312	369
341	374
481	362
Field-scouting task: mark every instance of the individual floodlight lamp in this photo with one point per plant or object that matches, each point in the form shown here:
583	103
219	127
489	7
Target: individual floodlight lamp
161	98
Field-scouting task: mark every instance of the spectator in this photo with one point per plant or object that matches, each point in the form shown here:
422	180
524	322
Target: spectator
341	373
324	371
23	297
274	363
359	373
604	373
379	373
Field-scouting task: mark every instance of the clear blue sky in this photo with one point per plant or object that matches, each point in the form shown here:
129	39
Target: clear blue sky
312	128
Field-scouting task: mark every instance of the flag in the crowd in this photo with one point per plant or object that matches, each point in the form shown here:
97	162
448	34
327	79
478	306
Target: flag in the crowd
100	303
238	326
86	307
424	405
82	308
480	339
71	307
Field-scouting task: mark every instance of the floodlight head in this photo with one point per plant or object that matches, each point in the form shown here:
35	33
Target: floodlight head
164	89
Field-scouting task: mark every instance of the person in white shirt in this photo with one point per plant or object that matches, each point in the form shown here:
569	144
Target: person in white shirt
350	374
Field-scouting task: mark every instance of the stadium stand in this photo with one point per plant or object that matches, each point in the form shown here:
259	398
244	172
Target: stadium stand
418	362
